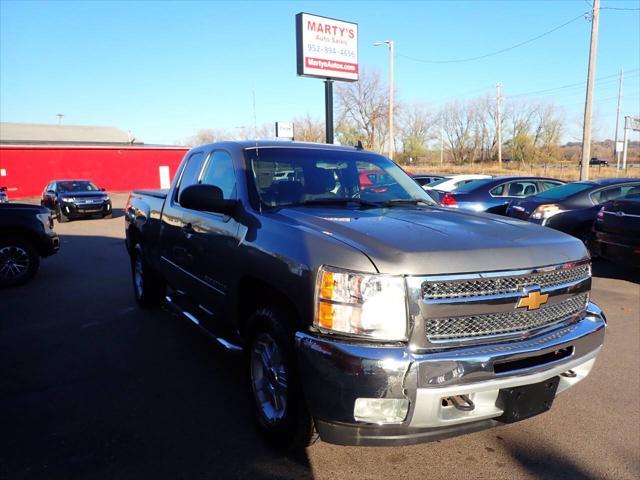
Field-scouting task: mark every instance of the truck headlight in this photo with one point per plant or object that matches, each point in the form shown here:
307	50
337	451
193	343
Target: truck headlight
546	211
68	199
366	305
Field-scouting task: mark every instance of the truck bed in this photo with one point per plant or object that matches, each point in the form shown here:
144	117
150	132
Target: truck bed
162	194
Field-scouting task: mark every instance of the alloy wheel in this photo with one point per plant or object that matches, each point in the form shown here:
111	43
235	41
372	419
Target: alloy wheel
14	262
269	378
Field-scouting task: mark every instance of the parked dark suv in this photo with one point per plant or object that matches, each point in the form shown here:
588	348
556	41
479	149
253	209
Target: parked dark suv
26	234
71	199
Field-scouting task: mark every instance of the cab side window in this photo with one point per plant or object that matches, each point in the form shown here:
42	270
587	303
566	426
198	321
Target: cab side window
219	172
190	174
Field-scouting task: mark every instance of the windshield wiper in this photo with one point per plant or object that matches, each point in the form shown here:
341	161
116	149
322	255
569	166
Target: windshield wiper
407	201
340	201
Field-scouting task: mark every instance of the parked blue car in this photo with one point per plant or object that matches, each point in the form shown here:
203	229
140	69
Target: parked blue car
494	194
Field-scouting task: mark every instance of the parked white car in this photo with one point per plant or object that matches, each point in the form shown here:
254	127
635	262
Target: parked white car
451	182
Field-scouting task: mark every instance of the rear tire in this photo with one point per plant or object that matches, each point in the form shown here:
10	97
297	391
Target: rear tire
148	285
277	398
19	261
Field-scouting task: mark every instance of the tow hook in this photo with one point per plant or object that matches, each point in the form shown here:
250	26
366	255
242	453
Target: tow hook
462	402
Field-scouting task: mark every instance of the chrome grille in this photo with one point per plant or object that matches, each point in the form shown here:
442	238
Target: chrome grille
439	289
503	323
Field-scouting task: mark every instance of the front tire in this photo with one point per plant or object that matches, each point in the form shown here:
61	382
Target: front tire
278	402
19	261
148	286
61	217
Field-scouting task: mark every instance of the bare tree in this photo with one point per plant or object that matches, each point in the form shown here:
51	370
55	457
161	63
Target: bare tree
309	129
207	135
363	107
417	127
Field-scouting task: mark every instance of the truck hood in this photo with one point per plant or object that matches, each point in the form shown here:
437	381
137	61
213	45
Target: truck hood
431	241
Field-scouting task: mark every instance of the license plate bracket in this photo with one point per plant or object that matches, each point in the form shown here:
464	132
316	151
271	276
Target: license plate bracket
520	403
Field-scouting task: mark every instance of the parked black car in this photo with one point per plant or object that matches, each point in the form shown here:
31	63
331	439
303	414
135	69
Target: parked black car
572	208
71	199
617	230
424	179
4	198
26	234
494	194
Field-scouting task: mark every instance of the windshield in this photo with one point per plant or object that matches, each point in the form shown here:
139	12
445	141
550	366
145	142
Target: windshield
564	191
77	186
314	176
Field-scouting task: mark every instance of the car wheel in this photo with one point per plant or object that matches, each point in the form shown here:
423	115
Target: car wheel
19	261
148	286
278	402
61	217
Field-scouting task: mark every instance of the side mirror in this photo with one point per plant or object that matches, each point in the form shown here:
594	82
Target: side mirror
3	189
207	198
102	190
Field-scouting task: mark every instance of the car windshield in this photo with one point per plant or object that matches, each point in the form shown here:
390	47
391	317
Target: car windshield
77	186
333	177
565	191
471	186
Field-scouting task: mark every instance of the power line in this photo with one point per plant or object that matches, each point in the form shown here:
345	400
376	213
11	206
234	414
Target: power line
497	52
571	85
618	8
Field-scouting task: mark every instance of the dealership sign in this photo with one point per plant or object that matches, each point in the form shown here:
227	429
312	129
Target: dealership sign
326	48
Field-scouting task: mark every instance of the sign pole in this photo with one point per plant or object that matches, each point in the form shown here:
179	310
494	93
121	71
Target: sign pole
328	110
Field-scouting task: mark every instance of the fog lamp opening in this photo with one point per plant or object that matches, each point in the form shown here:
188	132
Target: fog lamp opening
381	410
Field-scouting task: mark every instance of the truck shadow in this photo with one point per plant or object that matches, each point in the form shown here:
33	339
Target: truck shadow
606	269
548	464
97	388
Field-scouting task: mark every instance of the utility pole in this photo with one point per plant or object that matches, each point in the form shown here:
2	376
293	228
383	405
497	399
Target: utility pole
391	54
586	132
59	115
499	122
616	152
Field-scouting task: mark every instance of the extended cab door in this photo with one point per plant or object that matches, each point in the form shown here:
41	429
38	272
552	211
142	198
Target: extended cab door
177	261
215	240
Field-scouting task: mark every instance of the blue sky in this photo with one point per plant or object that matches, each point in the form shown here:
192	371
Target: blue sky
164	70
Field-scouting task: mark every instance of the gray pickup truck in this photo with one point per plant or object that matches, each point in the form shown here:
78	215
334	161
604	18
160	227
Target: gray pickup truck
366	314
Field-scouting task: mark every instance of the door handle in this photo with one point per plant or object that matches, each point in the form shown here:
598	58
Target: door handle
188	230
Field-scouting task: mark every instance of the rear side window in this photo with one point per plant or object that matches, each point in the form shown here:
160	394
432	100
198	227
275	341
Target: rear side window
521	189
612	193
219	172
191	172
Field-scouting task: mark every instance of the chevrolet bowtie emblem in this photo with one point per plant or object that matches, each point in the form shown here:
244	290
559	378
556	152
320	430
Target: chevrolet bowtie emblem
533	300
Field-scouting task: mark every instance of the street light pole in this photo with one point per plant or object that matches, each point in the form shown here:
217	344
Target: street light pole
389	43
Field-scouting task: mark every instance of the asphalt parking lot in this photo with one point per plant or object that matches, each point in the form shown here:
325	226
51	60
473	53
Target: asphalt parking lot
92	387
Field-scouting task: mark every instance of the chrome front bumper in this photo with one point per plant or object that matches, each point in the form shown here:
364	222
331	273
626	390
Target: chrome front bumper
336	373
